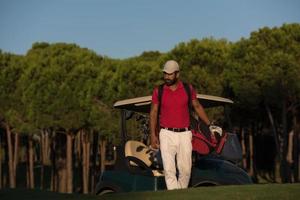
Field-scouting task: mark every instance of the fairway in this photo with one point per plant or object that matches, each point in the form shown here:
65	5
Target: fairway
246	192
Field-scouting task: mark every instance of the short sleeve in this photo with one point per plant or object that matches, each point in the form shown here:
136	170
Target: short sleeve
193	93
155	96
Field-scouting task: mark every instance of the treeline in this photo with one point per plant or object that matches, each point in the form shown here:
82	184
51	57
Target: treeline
56	103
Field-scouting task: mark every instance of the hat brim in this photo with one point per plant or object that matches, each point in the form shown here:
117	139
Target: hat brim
169	71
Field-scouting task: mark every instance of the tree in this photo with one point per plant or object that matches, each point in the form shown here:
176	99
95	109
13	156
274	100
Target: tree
264	71
10	70
61	88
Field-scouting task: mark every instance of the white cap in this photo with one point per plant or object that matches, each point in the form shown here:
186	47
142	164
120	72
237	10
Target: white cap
171	66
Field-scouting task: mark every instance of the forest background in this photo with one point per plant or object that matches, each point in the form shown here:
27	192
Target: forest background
58	125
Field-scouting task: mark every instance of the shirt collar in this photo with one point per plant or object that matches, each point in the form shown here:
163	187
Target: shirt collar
180	85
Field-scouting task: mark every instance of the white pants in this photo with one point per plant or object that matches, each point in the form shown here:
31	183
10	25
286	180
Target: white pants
179	145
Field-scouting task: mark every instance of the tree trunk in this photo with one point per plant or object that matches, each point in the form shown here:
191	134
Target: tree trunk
251	164
88	152
79	160
84	178
0	163
69	162
276	139
44	155
284	171
53	159
289	155
61	144
12	176
27	169
16	155
295	141
103	161
86	161
47	148
296	154
62	181
58	157
42	158
31	163
102	154
86	164
275	134
244	152
94	162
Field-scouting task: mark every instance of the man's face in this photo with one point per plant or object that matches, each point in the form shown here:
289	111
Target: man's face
170	79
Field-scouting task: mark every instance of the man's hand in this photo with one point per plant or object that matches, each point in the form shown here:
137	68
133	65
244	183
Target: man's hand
215	130
154	142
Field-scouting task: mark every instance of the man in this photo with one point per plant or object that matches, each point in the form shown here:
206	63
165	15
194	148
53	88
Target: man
175	135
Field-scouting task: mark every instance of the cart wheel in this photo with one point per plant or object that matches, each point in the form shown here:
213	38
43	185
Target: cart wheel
104	192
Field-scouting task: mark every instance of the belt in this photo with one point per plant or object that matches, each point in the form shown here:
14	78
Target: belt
177	129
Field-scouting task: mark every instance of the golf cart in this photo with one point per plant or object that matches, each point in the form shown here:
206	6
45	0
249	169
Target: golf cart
137	166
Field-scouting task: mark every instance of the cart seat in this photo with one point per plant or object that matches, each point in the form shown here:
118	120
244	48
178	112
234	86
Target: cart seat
139	155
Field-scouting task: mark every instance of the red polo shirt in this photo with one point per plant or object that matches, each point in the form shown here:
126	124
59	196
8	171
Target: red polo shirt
174	112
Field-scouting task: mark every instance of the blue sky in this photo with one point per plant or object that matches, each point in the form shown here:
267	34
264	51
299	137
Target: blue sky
126	28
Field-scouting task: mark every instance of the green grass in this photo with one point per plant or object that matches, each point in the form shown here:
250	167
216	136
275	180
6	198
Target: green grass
247	192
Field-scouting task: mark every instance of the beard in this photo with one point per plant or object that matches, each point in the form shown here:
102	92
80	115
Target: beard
170	82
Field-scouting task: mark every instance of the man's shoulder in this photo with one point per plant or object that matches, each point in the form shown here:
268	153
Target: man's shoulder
157	88
187	85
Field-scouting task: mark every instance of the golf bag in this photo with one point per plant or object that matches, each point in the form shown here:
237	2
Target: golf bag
215	141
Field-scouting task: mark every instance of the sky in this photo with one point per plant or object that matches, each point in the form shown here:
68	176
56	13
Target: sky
127	28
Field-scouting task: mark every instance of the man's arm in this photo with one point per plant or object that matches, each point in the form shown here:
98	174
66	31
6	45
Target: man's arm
200	111
153	125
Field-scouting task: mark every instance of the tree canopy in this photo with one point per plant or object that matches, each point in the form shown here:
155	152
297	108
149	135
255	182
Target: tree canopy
65	86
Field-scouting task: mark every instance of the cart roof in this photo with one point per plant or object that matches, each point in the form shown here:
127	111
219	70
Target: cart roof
143	104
